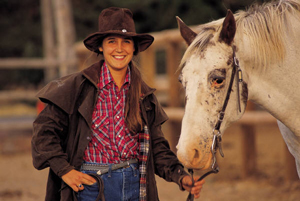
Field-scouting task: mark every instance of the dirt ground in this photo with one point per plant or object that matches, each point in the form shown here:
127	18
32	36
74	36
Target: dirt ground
19	181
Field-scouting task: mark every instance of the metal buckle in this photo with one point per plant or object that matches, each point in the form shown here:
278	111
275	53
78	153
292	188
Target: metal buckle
213	149
221	115
127	165
216	144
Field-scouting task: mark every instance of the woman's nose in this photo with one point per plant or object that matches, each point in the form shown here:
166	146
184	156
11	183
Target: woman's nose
119	46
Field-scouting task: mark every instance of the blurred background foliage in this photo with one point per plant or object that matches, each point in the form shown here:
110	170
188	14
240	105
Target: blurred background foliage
21	29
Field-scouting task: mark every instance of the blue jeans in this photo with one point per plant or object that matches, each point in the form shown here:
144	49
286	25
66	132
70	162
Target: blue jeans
119	185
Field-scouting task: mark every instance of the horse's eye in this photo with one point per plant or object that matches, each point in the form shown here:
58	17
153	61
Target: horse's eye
217	82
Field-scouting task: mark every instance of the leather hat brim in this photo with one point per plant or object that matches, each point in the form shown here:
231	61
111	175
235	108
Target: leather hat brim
93	41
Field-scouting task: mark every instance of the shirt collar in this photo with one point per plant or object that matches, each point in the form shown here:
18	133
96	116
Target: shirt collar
106	77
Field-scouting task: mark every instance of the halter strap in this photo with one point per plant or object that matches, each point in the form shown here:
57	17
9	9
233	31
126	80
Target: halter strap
233	72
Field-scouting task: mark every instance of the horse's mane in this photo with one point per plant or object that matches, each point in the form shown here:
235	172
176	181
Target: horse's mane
263	24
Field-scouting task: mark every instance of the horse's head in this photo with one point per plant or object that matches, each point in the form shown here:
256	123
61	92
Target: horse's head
206	70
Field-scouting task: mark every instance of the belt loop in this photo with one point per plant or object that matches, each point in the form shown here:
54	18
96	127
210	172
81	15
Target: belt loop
134	169
109	170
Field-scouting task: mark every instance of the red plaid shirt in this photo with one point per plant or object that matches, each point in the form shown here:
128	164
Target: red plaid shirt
111	140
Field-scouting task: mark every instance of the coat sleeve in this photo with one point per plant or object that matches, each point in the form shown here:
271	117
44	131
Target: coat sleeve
49	132
167	165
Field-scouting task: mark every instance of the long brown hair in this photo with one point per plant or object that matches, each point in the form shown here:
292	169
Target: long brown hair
133	118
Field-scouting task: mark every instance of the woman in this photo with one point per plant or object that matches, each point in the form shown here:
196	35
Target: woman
100	132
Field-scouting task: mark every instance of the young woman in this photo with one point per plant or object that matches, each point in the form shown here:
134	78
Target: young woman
100	132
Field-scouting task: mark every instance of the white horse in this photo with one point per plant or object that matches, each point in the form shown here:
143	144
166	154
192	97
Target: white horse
266	41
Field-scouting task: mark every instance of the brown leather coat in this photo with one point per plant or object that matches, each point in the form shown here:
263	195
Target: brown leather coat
63	129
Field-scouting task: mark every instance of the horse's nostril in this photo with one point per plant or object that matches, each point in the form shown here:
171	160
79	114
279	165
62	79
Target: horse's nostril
196	154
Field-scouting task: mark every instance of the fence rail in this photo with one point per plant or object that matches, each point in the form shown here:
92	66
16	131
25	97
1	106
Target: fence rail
249	118
30	63
15	95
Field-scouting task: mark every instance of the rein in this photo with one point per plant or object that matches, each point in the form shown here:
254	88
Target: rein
217	137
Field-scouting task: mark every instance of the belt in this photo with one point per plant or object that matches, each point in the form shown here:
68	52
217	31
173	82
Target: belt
102	169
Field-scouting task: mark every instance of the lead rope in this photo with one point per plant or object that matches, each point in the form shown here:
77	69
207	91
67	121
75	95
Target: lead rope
216	144
99	180
191	171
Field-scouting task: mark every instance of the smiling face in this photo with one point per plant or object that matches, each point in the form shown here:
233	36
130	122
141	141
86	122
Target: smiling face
117	51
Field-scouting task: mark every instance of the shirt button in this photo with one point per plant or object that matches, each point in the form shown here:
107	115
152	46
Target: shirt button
118	117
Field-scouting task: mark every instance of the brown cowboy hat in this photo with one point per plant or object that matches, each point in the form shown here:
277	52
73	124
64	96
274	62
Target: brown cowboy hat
117	21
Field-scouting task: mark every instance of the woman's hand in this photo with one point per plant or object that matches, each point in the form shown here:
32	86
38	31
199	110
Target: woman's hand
187	183
76	179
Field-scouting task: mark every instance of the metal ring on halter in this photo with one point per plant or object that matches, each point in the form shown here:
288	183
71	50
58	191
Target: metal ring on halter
236	61
219	133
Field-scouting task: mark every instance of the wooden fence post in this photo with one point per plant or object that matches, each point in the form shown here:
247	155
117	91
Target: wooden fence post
65	36
173	54
249	153
48	39
173	57
148	70
290	170
248	150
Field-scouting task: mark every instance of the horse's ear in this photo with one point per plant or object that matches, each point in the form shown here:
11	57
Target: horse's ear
228	29
187	34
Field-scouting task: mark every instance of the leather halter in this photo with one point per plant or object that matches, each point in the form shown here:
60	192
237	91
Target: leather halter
217	137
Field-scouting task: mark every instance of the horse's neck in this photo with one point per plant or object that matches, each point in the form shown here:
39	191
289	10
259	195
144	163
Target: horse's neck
278	94
276	87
